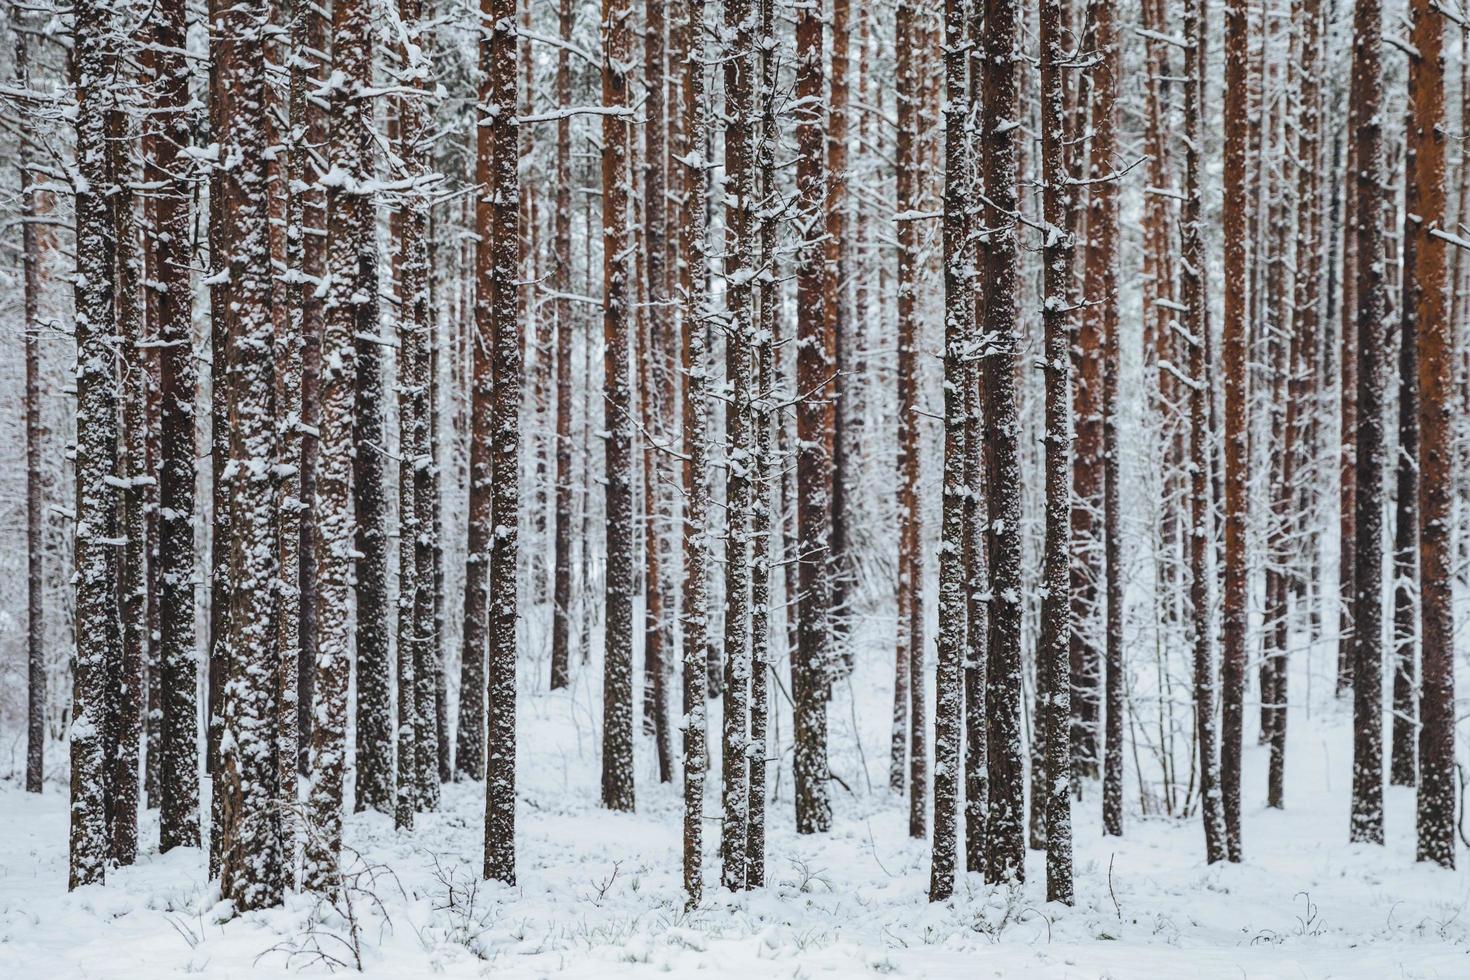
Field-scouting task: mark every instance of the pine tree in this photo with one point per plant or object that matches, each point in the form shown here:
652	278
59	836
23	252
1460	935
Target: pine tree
1236	285
977	768
1005	827
1436	806
98	642
618	297
178	776
561	610
31	243
370	507
690	45
350	239
1372	343
126	682
500	755
810	667
763	460
1102	253
959	340
1201	537
657	395
1053	655
839	327
909	654
469	756
247	778
1406	460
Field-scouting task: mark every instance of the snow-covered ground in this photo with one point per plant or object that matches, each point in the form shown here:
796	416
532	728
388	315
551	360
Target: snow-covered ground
599	894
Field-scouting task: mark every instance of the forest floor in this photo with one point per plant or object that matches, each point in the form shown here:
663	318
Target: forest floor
599	894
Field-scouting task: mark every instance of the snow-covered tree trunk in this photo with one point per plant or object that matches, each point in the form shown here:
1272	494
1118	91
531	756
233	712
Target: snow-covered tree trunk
977	626
618	297
98	642
178	658
741	232
500	671
1102	254
811	667
1005	827
31	271
470	747
767	293
127	683
1236	289
285	305
370	504
1436	807
349	238
247	778
561	600
839	330
1201	537
308	69
654	380
959	344
1373	342
1054	665
690	47
906	698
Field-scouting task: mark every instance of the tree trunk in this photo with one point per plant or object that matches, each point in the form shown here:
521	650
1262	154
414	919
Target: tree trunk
1103	254
691	45
370	505
740	123
350	237
1373	335
1201	535
250	847
500	671
1436	805
178	775
98	642
811	667
127	683
561	602
31	245
1056	258
909	655
618	298
959	341
1006	826
1406	498
834	296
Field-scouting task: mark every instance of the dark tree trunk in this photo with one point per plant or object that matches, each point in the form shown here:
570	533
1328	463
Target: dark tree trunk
1437	411
1005	829
98	641
1373	337
618	298
811	666
500	754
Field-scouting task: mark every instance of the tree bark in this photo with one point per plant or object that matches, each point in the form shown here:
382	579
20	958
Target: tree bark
500	670
618	297
959	343
810	670
1436	804
695	541
350	237
1201	537
250	847
98	641
1005	829
1373	341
